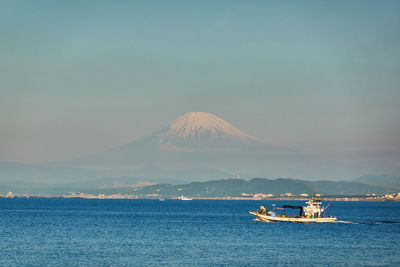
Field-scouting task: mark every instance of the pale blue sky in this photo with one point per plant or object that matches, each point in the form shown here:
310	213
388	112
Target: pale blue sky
81	76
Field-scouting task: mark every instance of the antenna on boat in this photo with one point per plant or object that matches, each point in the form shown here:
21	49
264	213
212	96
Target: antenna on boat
315	194
323	214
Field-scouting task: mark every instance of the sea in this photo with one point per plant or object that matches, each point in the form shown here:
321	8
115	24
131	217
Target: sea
144	232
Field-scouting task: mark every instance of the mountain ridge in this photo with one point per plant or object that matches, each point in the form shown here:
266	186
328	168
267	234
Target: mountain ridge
213	188
235	188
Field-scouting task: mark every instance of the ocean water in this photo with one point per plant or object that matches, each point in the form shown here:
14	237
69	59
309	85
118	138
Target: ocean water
84	232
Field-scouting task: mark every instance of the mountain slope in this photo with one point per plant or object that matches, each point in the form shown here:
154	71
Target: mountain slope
193	141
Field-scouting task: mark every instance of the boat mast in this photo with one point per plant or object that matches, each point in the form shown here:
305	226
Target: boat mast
315	193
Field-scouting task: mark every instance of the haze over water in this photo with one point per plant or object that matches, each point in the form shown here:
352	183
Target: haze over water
322	77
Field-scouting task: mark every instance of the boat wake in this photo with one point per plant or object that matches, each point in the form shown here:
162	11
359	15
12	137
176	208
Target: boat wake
354	222
346	222
369	222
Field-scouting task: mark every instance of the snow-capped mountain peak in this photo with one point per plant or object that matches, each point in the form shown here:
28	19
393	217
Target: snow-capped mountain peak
201	127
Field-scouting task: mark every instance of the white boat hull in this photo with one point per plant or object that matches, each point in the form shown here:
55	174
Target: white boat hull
267	218
185	198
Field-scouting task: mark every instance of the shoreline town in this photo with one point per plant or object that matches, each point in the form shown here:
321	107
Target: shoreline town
244	196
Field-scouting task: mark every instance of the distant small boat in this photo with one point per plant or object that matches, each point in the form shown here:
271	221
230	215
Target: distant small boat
184	198
161	199
313	212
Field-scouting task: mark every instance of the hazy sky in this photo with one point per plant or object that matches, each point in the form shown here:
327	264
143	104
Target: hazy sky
81	76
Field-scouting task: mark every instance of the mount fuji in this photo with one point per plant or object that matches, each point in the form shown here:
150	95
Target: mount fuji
203	131
195	140
197	146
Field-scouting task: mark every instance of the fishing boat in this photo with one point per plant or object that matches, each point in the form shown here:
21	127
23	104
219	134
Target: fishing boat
313	212
184	198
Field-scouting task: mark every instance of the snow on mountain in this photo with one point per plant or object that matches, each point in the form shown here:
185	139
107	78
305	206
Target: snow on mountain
201	131
201	124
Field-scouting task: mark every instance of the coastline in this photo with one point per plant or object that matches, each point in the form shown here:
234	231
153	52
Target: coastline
280	198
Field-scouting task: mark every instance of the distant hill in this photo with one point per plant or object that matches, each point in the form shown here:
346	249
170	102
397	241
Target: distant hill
92	186
13	173
385	181
215	188
235	187
35	179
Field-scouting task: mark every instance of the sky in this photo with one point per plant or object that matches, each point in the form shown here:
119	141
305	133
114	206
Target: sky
78	77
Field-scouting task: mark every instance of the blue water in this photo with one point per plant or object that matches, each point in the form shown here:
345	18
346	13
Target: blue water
83	232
